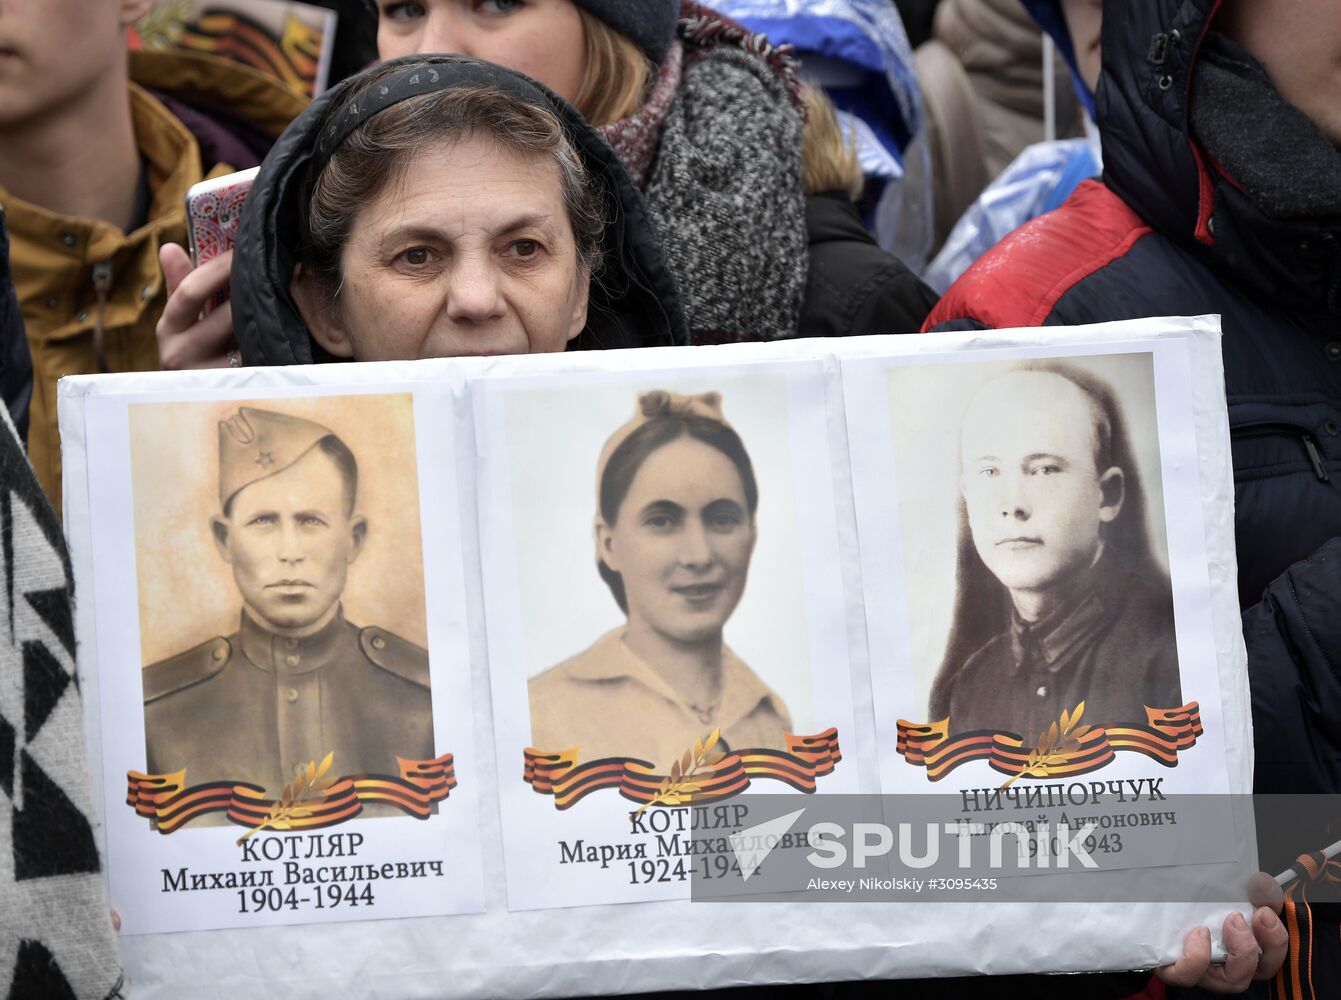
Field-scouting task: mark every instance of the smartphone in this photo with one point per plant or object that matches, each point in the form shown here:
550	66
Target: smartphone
213	212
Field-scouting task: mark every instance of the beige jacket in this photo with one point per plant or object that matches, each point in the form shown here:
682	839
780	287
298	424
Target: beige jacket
607	702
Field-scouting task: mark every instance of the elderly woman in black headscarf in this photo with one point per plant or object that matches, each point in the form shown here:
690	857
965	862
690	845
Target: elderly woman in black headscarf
440	206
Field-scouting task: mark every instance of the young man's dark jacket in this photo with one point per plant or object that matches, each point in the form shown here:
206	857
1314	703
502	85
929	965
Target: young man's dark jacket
1218	197
635	301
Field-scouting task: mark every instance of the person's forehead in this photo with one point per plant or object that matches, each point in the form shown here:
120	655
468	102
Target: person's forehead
1028	412
686	467
474	180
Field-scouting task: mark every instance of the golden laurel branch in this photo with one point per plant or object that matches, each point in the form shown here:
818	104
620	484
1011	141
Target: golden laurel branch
308	788
1053	746
677	788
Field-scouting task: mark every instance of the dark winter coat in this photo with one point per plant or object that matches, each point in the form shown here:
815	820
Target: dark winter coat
853	286
635	301
1219	197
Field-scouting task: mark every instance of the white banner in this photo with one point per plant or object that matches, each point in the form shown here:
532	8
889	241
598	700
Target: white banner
470	647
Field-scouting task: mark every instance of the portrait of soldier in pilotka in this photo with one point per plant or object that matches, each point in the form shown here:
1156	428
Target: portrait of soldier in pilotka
1060	598
295	678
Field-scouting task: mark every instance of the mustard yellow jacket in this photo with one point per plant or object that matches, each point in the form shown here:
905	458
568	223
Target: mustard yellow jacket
74	275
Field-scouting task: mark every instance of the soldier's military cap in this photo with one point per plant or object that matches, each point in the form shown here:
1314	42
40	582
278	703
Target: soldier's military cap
256	444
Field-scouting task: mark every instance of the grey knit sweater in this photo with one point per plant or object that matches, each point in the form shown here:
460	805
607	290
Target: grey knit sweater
723	179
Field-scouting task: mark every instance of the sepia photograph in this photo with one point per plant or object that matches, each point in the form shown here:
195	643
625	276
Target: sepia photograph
674	533
281	587
665	514
1033	528
667	609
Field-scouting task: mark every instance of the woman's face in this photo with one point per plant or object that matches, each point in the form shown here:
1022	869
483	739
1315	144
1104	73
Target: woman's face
470	252
682	541
541	38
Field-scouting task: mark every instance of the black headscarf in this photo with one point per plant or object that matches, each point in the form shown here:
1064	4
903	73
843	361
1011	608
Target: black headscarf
634	301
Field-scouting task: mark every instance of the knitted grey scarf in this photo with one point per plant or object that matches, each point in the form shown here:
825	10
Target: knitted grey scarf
725	187
1280	157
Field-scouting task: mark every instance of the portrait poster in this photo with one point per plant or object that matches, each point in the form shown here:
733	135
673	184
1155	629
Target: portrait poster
559	856
727	666
1034	538
284	716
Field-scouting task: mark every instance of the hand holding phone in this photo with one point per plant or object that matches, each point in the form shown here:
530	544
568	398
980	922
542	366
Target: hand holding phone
195	329
213	214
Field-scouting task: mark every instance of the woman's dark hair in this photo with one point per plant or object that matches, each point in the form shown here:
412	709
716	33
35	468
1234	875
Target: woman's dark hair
638	447
982	607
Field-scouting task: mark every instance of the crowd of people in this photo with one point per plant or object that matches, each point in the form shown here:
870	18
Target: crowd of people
516	176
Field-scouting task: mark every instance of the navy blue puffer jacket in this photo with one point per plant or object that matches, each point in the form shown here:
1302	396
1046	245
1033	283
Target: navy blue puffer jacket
1210	204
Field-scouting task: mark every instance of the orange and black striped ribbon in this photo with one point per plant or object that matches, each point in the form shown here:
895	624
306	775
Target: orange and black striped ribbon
167	801
1167	732
292	57
806	759
1311	960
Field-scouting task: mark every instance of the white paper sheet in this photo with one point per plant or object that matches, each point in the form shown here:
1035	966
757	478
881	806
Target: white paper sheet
585	948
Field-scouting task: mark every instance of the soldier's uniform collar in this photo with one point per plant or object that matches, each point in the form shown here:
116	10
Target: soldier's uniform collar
1053	641
284	656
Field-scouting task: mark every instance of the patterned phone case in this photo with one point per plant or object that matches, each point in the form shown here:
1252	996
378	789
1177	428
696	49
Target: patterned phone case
213	212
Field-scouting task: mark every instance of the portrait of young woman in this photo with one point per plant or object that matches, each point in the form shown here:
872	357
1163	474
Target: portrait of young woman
675	531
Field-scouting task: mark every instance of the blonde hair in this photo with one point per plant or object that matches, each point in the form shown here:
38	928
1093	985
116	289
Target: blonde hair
828	159
619	74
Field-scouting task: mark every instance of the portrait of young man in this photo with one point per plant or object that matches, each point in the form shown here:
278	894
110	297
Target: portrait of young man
1060	599
296	679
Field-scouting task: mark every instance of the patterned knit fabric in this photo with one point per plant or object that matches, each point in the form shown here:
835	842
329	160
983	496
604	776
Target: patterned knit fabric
55	933
724	186
635	138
